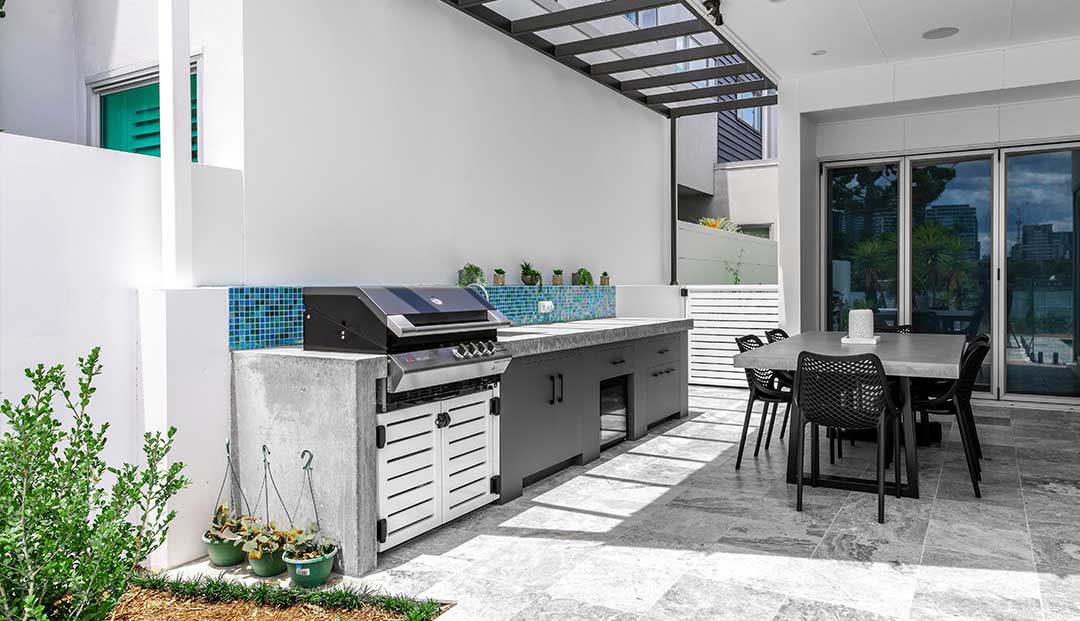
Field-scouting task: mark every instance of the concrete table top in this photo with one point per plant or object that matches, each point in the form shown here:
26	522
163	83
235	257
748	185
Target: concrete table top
530	340
902	355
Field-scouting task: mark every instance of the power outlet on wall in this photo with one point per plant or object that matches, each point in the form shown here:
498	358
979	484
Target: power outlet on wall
545	306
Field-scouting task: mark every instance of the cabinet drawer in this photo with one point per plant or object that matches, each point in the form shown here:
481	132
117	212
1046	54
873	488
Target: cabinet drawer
662	392
660	350
612	361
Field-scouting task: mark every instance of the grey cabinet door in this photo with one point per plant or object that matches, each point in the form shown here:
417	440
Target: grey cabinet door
541	418
662	398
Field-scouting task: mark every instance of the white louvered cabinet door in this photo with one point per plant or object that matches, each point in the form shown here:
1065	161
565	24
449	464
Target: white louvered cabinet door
469	454
409	473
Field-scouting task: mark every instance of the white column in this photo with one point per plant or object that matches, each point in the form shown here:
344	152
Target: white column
174	61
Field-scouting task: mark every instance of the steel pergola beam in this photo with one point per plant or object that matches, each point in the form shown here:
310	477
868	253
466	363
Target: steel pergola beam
585	13
659	60
682	77
710	91
633	37
720	106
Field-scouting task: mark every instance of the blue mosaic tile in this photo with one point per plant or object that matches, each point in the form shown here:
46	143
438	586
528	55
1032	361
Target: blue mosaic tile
265	317
572	303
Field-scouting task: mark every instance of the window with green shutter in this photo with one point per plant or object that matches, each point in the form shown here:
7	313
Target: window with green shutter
130	120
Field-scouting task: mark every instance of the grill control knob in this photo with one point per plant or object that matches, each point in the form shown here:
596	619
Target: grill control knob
475	350
489	347
461	351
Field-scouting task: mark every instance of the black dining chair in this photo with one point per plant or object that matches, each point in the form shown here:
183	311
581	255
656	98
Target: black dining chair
765	387
786	378
904	328
847	392
954	398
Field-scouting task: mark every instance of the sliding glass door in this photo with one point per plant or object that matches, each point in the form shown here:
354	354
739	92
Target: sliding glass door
1042	206
978	242
951	248
861	204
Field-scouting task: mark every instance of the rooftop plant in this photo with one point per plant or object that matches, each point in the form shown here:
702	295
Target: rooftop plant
70	542
721	223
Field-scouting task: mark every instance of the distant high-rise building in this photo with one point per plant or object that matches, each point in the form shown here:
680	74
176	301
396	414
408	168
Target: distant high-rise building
962	219
1040	242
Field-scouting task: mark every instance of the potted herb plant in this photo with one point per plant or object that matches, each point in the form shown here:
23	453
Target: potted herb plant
500	277
310	557
582	277
556	277
529	275
470	274
605	280
265	545
222	539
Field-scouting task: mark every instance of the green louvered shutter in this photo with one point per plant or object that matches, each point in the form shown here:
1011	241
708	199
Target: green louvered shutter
130	120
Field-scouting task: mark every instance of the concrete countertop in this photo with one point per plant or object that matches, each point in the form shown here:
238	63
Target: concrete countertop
536	339
527	340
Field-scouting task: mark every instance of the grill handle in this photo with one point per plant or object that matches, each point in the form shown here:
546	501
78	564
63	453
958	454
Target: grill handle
401	326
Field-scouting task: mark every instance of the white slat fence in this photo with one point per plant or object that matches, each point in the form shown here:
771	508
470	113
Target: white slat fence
721	313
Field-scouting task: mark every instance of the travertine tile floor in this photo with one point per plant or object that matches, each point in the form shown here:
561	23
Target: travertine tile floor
665	528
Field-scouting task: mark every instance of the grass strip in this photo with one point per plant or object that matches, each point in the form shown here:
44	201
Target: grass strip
220	589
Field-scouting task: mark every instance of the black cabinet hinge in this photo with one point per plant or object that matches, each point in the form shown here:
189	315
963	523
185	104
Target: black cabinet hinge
684	292
380	530
496	484
380	436
496	406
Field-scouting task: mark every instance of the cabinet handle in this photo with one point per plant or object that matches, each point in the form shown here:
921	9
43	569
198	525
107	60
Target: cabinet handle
618	362
663	351
442	420
552	400
562	387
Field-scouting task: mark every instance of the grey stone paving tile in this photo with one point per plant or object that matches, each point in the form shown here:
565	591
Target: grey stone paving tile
1070	455
546	608
1042	506
645	469
694	597
949	592
677	527
533	563
973	511
1056	544
856	535
966	538
797	609
479	598
413	576
1060	591
630	579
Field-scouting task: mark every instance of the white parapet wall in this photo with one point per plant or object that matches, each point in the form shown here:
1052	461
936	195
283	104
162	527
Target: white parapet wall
708	256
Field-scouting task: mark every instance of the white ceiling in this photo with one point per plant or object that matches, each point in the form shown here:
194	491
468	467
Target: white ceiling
863	32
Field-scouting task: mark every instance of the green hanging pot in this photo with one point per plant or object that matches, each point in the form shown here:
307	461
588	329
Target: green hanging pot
313	572
268	565
224	553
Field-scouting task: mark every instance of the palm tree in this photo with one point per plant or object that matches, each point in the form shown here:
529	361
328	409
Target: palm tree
941	266
874	260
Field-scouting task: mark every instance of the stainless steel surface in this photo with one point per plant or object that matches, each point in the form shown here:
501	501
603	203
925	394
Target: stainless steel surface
401	326
422	369
905	355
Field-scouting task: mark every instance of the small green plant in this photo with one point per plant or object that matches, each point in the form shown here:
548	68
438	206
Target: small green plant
583	277
529	274
604	274
263	538
69	542
310	544
470	274
735	270
557	272
500	271
224	526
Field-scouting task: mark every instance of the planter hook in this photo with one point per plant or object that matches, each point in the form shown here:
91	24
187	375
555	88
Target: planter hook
310	456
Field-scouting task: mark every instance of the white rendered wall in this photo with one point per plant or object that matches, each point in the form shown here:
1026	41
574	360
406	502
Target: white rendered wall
707	256
37	70
79	235
663	301
462	145
697	152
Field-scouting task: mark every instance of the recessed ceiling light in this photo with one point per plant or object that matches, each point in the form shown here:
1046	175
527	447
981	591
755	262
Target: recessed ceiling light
819	52
940	33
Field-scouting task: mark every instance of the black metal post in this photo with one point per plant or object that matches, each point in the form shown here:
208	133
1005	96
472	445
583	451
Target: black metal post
674	201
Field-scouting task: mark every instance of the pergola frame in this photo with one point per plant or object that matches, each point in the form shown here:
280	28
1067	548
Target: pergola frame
742	76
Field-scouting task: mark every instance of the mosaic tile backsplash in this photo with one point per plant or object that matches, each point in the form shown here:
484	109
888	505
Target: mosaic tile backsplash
274	316
518	303
265	317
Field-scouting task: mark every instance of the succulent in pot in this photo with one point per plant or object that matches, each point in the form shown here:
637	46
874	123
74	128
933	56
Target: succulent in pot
222	539
605	280
556	277
529	275
310	557
582	277
265	545
470	274
500	277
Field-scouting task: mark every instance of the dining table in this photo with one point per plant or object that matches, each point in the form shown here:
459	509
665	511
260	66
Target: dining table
903	356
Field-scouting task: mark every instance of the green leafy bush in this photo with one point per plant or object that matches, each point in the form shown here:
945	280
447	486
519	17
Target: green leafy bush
224	526
263	537
69	543
470	274
310	544
583	277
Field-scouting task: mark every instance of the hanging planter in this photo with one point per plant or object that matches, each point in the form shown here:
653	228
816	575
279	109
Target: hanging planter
264	543
309	555
223	543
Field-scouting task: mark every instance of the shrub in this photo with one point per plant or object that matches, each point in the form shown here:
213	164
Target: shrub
721	223
69	544
470	274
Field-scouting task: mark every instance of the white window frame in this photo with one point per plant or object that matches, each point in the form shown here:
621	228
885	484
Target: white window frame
134	76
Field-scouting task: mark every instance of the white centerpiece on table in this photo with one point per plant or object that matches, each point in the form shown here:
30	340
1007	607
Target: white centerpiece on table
861	328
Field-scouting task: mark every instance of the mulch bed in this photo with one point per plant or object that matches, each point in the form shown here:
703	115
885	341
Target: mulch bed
140	604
